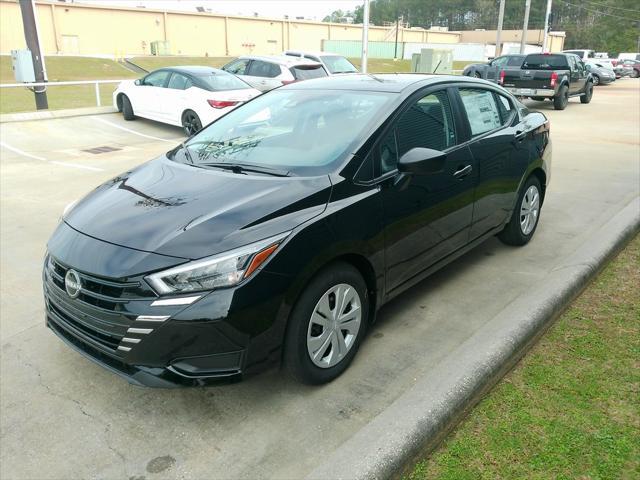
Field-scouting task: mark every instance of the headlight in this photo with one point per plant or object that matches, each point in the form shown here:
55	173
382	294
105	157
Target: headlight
222	270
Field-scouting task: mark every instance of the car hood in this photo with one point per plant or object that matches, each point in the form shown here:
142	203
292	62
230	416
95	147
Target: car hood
174	209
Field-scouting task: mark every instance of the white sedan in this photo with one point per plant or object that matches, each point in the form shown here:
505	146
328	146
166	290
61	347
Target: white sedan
190	97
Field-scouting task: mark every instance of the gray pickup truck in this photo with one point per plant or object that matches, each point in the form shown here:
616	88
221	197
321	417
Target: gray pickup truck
556	77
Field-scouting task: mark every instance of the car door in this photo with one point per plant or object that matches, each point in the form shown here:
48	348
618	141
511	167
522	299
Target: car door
262	75
429	217
146	102
175	98
576	81
496	65
498	142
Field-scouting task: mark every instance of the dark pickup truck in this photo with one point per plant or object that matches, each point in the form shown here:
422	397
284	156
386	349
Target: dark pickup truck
556	76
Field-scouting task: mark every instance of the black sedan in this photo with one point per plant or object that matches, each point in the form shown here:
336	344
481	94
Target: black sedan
278	231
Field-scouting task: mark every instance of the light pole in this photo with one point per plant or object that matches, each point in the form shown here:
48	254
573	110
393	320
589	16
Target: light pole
27	9
545	38
365	37
527	7
499	32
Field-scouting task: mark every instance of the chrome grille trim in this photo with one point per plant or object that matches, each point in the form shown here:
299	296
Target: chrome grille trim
131	340
124	349
152	318
165	302
143	331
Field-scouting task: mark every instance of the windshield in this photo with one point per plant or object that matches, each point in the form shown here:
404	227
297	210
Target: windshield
304	132
221	81
337	64
304	72
545	62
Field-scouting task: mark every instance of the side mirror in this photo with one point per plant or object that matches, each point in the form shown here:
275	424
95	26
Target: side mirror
422	161
138	82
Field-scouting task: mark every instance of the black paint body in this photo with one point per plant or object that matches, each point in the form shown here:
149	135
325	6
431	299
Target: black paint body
164	213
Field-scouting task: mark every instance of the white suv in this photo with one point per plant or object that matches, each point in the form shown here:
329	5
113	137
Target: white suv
332	62
268	72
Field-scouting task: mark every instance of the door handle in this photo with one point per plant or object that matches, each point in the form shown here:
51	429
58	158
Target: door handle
462	172
520	135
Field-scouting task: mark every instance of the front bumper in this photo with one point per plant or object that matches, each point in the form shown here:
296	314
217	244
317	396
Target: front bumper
532	92
119	324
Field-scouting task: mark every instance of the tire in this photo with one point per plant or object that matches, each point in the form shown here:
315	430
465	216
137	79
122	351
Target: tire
191	123
477	74
127	109
635	73
305	332
517	232
538	99
588	93
596	80
561	99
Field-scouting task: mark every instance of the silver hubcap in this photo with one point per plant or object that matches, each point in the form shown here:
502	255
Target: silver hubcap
529	210
334	325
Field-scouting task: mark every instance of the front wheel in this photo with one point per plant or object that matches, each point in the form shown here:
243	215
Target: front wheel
127	109
596	80
191	123
588	93
561	99
524	219
327	325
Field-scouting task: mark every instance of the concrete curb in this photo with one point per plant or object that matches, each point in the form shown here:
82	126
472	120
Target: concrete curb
418	420
49	114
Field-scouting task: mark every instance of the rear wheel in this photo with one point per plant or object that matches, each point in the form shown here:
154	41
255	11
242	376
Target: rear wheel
561	99
538	99
596	80
327	325
127	109
635	73
524	219
191	123
588	93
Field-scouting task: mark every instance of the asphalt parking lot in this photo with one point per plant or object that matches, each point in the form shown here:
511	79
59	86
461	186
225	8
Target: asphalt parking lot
64	417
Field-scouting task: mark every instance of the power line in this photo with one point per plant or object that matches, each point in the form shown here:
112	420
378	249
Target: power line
600	13
611	6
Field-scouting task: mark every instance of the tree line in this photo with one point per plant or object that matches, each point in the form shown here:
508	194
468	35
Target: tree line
603	25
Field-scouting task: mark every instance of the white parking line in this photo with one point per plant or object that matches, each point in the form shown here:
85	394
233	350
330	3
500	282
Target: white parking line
42	159
115	125
20	152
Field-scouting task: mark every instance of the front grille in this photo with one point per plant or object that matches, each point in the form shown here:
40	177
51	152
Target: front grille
99	315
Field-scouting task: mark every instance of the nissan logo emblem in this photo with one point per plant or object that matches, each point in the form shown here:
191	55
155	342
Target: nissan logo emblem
72	283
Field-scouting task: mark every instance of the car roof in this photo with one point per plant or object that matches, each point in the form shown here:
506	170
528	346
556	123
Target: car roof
310	52
286	60
381	82
197	70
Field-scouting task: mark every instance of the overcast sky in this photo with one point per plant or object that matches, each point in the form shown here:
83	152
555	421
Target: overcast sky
310	9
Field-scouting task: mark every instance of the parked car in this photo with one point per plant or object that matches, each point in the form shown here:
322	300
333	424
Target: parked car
189	97
600	74
582	54
491	70
634	65
333	63
556	76
629	56
279	230
268	72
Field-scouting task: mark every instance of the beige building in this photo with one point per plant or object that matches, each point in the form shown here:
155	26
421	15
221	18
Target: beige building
534	37
78	29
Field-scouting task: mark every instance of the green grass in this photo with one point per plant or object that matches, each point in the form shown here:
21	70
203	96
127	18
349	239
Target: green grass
61	69
571	408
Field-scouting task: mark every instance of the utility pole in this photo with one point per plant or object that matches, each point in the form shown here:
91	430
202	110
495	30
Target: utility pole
395	52
365	37
27	8
499	33
527	7
547	27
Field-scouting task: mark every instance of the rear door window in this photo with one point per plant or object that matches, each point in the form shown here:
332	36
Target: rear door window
303	72
179	82
263	69
481	109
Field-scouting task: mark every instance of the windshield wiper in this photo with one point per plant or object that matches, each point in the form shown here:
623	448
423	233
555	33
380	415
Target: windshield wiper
243	167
